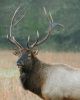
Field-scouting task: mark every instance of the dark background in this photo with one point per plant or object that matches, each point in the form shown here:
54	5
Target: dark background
66	12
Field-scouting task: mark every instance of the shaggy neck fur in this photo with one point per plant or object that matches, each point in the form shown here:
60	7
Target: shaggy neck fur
32	76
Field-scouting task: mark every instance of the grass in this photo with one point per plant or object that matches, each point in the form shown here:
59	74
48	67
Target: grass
10	86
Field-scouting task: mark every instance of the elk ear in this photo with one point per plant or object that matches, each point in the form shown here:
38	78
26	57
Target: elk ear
15	52
35	52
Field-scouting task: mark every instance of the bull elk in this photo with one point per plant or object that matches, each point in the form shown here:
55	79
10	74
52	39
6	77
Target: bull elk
48	81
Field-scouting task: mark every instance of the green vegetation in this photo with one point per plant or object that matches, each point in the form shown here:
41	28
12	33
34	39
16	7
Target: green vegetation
66	12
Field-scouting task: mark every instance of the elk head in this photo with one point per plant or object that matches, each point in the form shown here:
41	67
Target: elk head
26	55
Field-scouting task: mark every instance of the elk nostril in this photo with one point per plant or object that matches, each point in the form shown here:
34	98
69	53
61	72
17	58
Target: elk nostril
18	64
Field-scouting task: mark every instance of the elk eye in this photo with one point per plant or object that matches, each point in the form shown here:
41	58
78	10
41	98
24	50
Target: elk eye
29	56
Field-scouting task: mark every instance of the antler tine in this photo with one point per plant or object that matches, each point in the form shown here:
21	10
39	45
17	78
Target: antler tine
47	15
17	44
11	38
19	20
30	47
28	41
51	17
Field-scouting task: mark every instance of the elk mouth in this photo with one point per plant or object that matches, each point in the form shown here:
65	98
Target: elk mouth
19	65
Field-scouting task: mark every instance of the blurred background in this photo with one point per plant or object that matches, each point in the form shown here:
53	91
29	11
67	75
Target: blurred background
66	12
63	46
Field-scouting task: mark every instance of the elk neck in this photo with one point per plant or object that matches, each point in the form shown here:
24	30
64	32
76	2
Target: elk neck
33	78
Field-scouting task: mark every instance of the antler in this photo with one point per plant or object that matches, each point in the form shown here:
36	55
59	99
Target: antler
36	43
52	25
10	37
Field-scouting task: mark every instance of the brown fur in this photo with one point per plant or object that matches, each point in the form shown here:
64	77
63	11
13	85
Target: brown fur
34	78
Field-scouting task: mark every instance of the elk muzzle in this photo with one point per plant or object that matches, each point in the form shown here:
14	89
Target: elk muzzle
19	64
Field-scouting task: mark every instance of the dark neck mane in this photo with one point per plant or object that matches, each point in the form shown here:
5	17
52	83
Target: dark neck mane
30	78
